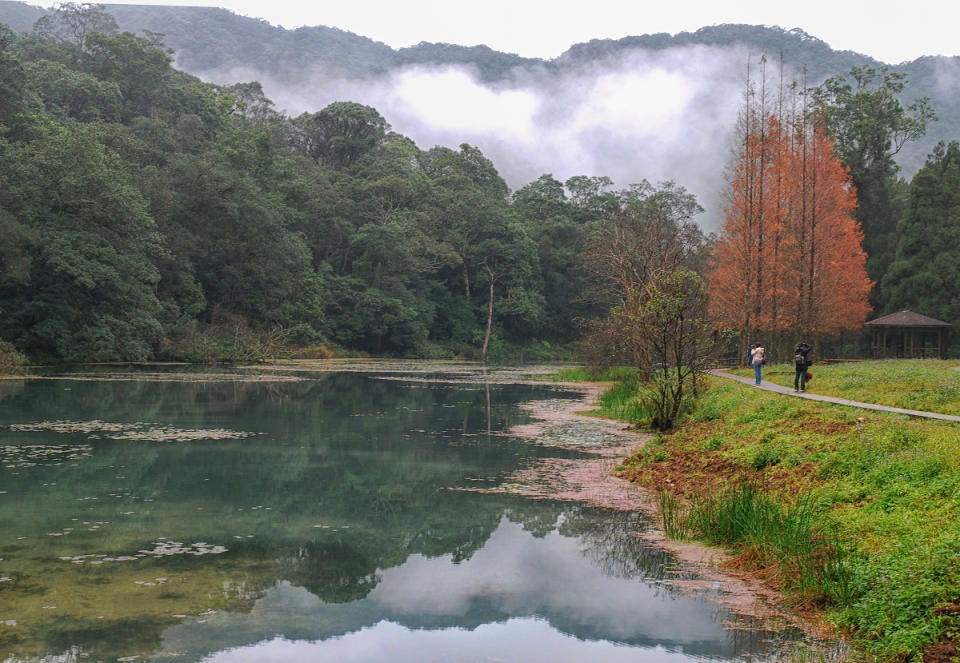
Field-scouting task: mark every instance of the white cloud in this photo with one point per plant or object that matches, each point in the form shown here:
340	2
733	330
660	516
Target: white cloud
659	116
515	640
451	101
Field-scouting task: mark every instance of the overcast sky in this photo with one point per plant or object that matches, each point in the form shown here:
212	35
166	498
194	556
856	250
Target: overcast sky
890	31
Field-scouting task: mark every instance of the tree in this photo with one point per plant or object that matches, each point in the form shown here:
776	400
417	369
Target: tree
74	23
925	275
394	253
469	197
491	249
340	133
870	125
509	259
652	232
89	293
672	314
12	79
543	198
753	225
66	93
255	108
825	287
548	217
234	235
789	260
591	197
138	66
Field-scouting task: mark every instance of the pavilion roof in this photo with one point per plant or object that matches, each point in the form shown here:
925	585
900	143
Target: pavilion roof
907	319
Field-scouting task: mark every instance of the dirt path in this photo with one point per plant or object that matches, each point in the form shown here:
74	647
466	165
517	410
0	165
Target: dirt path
769	386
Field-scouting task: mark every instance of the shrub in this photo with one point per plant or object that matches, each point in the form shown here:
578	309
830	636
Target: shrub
11	361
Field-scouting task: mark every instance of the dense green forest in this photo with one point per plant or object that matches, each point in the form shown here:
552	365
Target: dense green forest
149	215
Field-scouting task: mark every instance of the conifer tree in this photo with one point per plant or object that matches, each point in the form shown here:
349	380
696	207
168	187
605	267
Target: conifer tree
789	260
925	276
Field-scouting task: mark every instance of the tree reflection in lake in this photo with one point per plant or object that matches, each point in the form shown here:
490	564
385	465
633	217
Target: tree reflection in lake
340	520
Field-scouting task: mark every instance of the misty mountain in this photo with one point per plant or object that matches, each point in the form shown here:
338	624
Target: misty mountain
655	106
207	39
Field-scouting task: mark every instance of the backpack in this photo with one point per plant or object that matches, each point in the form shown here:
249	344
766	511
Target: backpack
799	359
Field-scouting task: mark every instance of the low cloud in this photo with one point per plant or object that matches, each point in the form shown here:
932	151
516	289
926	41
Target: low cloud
654	115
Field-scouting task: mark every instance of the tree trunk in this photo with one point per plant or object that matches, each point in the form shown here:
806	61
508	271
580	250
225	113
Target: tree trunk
486	337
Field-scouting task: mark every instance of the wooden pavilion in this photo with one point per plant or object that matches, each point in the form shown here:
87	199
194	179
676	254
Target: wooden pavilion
908	335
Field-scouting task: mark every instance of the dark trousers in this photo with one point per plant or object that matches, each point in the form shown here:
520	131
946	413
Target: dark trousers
800	378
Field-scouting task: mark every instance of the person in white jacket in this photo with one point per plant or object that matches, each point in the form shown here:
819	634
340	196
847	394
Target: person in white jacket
756	360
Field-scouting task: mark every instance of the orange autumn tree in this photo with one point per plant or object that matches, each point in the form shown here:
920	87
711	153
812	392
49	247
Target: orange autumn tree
826	286
742	256
789	261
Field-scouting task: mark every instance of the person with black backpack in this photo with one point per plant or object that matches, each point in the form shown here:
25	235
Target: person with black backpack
801	363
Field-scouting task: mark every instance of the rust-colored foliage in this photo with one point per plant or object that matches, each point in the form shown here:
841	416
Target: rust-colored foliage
790	258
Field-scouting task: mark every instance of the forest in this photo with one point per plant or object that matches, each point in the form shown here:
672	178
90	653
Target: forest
147	215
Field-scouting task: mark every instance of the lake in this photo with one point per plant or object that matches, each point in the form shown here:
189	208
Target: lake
167	515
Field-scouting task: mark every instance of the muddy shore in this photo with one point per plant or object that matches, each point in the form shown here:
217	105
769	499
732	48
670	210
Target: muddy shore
562	423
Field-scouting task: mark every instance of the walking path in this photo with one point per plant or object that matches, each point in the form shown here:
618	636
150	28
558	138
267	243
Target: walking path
769	386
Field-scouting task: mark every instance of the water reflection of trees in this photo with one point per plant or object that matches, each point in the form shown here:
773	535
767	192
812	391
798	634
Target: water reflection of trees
334	571
358	475
376	456
611	541
10	388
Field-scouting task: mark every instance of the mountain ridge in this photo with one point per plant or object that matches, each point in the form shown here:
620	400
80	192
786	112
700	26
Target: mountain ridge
20	16
223	47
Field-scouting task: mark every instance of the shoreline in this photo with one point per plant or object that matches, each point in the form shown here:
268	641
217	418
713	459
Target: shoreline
591	481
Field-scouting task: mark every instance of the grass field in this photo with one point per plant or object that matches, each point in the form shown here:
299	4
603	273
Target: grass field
916	384
853	512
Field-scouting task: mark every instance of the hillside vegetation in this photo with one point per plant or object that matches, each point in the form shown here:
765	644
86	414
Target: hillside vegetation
150	215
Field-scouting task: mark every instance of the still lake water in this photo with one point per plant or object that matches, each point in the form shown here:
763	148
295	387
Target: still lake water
333	518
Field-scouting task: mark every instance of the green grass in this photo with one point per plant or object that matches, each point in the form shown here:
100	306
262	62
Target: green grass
621	401
852	510
917	384
787	537
675	515
592	374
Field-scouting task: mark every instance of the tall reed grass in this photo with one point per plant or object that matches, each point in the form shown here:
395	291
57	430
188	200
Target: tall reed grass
788	540
675	515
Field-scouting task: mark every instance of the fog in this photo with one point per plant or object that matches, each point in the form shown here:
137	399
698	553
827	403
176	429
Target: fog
654	115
